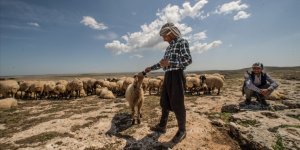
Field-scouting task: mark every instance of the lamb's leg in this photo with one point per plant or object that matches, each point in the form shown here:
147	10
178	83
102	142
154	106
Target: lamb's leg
139	112
132	115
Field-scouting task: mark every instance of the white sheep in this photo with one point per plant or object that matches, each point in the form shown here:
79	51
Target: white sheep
8	103
49	88
24	87
212	82
8	88
60	90
103	92
193	84
135	97
37	89
154	84
76	86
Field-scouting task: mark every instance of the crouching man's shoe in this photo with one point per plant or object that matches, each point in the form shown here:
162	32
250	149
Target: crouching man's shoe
158	128
180	135
264	102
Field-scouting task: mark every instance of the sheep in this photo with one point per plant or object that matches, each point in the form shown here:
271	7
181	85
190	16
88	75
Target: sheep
212	82
120	90
49	88
145	84
155	84
193	84
219	75
275	95
8	103
60	90
8	88
24	87
135	96
127	82
103	92
37	89
75	86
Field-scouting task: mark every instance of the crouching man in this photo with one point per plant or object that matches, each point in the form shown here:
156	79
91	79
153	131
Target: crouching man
258	84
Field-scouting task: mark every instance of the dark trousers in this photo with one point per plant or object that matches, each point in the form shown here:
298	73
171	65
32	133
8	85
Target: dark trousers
172	98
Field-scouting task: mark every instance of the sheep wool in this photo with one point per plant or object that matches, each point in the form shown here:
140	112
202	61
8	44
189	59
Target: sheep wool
8	103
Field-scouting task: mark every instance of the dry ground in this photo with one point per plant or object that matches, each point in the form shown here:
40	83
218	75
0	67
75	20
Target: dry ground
92	123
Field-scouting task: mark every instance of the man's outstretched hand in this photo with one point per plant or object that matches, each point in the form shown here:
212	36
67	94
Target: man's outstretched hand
148	69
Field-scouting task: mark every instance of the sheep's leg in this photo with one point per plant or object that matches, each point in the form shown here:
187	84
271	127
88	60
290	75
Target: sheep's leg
150	91
132	115
218	91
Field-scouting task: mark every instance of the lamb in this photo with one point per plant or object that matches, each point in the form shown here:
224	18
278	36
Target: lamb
212	82
135	96
127	82
8	103
8	88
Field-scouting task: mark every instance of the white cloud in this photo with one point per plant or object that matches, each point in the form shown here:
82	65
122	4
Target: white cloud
33	24
200	36
230	7
148	37
108	36
92	23
137	56
241	15
202	47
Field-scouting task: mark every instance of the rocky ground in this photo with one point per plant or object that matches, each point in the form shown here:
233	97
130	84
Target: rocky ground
213	122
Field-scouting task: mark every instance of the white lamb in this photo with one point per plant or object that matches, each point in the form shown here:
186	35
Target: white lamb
135	96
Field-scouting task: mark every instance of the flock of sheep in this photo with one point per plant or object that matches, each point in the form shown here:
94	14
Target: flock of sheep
105	88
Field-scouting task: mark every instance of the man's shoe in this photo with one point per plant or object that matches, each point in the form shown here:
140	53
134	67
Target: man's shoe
247	101
180	135
158	128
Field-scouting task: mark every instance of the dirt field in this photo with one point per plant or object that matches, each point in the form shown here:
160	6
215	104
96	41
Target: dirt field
91	123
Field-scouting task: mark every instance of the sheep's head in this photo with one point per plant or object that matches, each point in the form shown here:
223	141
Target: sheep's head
202	80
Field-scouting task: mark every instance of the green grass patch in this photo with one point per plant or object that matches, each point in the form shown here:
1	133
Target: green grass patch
247	123
218	115
278	144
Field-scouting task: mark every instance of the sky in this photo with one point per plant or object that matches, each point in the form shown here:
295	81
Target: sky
105	36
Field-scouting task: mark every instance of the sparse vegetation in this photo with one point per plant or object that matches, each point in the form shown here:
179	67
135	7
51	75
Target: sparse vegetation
279	144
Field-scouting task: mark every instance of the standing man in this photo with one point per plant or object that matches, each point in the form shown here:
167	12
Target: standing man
176	58
258	84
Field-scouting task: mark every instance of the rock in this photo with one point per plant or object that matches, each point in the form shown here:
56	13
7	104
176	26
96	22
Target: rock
265	129
292	103
290	137
230	108
218	123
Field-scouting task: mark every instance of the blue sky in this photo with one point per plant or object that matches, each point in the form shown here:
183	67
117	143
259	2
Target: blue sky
98	36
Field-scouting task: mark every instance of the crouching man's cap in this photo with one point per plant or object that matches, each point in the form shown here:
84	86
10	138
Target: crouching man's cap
258	64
